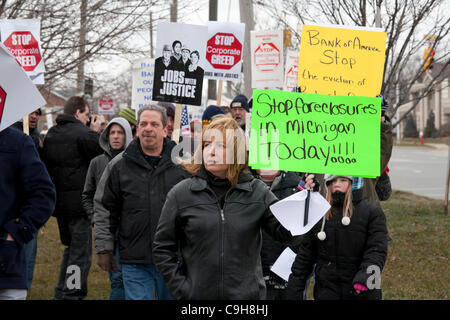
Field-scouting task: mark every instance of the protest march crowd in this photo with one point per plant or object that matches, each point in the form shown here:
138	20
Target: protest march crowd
169	230
190	219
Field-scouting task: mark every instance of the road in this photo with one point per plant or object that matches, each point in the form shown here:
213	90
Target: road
420	170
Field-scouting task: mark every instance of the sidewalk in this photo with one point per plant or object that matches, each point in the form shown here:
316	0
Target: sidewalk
440	148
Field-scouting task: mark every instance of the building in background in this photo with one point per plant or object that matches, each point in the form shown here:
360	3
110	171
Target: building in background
438	100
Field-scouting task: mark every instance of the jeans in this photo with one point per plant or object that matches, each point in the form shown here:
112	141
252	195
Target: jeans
115	278
76	234
143	282
30	258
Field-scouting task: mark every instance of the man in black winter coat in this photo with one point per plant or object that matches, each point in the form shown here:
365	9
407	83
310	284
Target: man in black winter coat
68	149
27	199
128	204
30	248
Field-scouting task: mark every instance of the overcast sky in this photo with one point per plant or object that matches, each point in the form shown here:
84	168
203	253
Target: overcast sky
228	10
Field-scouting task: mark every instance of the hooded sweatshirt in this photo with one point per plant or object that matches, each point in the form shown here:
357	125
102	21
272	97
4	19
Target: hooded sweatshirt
99	163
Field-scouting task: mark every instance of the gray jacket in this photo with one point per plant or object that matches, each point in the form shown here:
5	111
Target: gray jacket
99	163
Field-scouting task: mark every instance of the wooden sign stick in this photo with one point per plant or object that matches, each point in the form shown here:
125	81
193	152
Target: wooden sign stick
26	127
177	123
219	93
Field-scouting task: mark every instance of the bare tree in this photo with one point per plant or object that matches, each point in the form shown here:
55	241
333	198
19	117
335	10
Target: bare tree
109	25
405	23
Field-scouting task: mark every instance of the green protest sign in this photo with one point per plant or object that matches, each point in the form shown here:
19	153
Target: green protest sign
315	133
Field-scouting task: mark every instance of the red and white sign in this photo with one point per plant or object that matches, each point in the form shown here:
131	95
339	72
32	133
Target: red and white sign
224	50
21	37
18	95
106	105
291	70
25	48
267	59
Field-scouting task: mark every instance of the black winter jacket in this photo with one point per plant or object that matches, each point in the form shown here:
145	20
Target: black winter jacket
282	187
68	149
219	248
27	200
129	199
33	132
346	256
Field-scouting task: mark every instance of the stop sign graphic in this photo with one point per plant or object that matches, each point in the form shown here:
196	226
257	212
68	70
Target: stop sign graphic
25	49
223	51
267	57
2	102
106	103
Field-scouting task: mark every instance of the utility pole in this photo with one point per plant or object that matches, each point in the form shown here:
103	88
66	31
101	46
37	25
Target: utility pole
81	46
151	35
246	11
212	84
173	10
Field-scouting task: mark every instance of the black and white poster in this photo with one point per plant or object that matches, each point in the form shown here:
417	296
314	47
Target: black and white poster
180	63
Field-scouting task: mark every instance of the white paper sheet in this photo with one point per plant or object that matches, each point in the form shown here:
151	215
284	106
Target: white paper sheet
282	267
19	95
290	211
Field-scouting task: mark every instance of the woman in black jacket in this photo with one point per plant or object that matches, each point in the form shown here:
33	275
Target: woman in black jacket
348	247
208	240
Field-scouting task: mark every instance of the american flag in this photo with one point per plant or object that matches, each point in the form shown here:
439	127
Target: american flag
185	125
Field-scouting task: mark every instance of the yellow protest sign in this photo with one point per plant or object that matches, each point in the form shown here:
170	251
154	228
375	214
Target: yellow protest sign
339	60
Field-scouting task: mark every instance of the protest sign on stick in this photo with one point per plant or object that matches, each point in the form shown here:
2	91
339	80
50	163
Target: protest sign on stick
224	50
22	38
106	105
315	133
142	73
267	59
291	70
18	95
339	60
179	68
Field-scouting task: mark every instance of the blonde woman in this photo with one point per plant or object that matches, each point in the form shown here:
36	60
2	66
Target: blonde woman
208	240
348	247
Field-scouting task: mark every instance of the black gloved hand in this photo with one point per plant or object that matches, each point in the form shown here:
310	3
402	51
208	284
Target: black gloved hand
384	104
106	261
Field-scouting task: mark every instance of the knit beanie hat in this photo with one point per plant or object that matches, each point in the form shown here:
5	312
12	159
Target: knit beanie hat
240	101
357	183
128	114
330	177
209	113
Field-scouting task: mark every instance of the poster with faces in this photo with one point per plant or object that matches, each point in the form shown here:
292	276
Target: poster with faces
180	63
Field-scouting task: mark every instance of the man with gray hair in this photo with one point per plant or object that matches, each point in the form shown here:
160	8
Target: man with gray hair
128	203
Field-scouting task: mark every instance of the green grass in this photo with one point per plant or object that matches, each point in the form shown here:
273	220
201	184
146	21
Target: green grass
48	260
417	266
418	260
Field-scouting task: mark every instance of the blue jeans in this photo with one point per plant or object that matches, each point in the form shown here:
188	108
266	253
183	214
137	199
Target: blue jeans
30	258
143	282
117	289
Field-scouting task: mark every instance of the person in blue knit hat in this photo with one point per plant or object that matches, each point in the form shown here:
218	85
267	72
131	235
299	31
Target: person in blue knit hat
209	113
